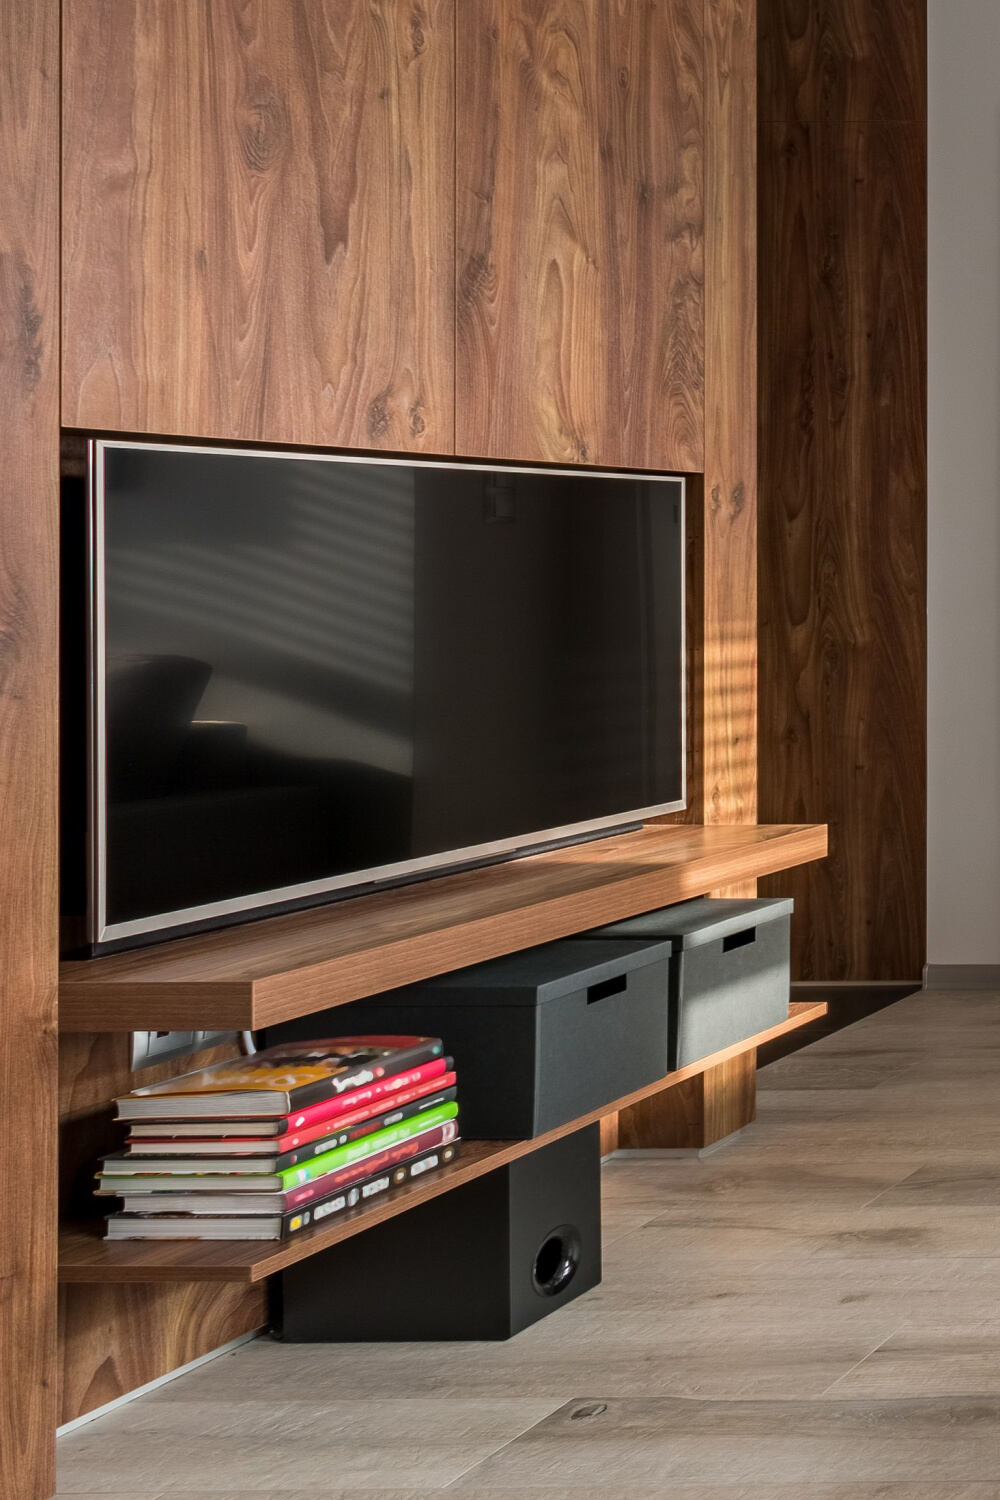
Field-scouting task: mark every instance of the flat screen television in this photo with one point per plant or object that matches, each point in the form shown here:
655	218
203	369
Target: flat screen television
291	676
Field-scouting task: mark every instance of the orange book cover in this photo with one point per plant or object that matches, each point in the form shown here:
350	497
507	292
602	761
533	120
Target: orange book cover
280	1078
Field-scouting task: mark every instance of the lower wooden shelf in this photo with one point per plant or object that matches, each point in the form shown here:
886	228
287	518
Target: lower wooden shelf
84	1257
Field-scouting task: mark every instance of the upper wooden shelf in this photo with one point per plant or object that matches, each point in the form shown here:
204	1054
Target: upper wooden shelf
271	970
85	1257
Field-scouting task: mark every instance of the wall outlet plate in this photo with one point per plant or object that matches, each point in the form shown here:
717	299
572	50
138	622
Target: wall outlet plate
149	1047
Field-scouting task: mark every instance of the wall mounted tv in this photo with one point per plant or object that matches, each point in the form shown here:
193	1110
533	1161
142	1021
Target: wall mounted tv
289	676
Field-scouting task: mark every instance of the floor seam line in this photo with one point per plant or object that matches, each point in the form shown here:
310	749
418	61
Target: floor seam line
560	1403
881	1344
893	1185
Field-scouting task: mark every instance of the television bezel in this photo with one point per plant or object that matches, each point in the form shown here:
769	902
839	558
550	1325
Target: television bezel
315	892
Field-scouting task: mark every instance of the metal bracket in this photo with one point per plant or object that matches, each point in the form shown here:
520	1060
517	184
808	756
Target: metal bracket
150	1047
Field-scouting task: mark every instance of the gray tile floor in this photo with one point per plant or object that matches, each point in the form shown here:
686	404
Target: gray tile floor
813	1311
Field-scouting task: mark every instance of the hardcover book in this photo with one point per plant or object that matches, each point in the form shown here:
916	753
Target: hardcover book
282	1134
280	1080
356	1102
273	1154
184	1197
183	1226
122	1172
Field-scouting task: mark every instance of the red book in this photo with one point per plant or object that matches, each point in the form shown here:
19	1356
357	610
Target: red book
352	1102
248	1147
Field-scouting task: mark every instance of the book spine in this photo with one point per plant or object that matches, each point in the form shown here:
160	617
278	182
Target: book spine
358	1129
386	1100
440	1135
328	1109
248	1147
323	1169
425	1050
363	1192
186	1157
343	1156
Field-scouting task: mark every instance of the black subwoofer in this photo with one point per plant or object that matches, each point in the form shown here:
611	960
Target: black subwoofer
481	1262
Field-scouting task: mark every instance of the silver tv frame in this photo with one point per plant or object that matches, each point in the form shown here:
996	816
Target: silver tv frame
309	892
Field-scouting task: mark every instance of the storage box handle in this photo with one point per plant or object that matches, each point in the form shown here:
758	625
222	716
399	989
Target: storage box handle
739	939
613	986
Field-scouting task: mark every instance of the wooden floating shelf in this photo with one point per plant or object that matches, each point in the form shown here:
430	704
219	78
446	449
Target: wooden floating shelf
84	1257
274	969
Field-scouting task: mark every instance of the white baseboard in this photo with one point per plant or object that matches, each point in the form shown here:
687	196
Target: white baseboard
962	976
152	1385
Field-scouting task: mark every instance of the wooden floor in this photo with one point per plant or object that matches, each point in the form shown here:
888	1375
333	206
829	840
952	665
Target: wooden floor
811	1311
845	1005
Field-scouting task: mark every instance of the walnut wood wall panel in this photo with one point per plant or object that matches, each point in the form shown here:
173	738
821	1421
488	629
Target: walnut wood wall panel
258	230
729	664
114	1338
722	560
698	1113
722	665
694	587
843	472
29	496
579	315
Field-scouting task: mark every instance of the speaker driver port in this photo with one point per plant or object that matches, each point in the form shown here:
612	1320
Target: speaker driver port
556	1261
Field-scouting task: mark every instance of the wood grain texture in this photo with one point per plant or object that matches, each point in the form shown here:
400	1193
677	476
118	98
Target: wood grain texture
722	601
694	599
579	318
730	1095
722	679
269	971
115	1338
706	1108
609	1134
831	62
84	1257
29	510
729	664
258	230
843	468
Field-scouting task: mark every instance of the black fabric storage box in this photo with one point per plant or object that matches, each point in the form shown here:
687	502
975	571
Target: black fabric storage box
481	1261
729	971
539	1037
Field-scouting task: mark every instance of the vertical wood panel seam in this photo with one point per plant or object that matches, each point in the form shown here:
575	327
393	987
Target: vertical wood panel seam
455	247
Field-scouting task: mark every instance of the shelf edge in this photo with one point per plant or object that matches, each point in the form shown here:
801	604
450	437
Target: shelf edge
478	1158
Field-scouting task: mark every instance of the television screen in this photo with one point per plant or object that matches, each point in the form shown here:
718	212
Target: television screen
313	673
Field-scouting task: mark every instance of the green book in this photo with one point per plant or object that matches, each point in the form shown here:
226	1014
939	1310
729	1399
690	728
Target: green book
342	1156
367	1145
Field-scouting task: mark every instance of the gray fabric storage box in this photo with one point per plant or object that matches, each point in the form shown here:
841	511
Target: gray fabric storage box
539	1037
729	975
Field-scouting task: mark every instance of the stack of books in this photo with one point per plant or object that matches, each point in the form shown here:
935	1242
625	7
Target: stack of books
268	1145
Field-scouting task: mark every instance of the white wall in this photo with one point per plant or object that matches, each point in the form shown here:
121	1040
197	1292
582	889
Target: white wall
964	482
